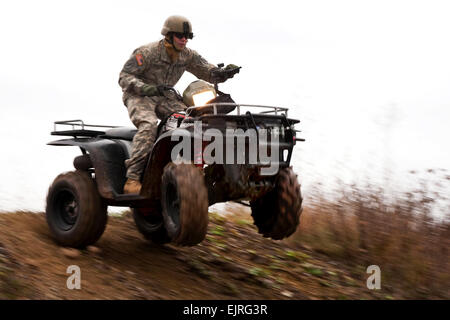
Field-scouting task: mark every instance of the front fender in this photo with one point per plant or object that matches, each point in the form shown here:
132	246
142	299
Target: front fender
160	156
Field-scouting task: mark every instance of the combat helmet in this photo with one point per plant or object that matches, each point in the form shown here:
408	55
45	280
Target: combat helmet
177	24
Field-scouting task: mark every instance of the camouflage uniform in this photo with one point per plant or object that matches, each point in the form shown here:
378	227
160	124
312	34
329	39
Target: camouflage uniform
151	65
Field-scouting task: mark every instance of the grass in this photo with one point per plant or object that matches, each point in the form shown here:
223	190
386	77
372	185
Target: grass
10	286
218	231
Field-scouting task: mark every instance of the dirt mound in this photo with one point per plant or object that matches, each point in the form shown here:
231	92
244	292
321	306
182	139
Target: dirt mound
233	262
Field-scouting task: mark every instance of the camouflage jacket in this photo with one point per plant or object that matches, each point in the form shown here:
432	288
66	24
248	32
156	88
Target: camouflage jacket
150	64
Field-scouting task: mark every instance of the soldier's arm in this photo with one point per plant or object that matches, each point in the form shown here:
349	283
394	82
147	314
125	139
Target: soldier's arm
132	71
199	67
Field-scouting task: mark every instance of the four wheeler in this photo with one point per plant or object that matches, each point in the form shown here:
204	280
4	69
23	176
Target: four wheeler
177	190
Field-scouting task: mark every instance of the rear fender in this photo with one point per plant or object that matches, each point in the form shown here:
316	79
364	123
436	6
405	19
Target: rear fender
107	157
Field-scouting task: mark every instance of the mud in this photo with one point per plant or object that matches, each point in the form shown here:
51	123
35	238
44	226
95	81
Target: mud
233	262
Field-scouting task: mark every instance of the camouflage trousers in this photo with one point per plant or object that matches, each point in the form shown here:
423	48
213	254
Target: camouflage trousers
144	113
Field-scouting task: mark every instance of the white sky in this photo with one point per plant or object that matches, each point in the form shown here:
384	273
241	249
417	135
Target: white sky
369	79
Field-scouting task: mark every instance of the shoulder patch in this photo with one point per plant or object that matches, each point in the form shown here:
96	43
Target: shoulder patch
139	59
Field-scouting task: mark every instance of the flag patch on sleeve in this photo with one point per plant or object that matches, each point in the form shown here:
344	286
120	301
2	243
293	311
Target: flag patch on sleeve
139	59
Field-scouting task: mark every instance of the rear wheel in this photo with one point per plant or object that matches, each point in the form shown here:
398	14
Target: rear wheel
75	212
277	214
184	202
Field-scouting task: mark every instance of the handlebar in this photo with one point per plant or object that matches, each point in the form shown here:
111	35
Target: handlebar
229	73
223	75
162	88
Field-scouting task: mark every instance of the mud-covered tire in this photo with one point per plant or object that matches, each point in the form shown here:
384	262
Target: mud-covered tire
150	225
75	213
277	214
184	200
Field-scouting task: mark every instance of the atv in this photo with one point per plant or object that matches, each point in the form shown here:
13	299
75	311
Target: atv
178	187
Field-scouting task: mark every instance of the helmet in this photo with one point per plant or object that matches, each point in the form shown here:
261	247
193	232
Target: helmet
177	24
195	89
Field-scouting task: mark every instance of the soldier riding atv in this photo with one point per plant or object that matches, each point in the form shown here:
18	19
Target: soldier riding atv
150	69
179	186
171	184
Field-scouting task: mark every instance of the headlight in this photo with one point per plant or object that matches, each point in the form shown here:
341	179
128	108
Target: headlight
201	98
198	93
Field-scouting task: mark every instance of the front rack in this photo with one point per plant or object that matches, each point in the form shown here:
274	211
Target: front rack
213	106
78	129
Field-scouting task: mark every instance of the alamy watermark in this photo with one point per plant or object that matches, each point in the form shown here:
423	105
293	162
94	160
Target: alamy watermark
374	281
74	280
234	146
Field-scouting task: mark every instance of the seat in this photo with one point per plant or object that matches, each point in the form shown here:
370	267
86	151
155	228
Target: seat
124	133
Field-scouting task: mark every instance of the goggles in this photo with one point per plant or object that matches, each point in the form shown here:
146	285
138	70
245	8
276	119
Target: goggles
181	35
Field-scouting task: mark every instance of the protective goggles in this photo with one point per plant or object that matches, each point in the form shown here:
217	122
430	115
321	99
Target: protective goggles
181	35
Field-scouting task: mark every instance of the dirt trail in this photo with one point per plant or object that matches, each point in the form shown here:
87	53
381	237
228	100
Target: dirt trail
233	262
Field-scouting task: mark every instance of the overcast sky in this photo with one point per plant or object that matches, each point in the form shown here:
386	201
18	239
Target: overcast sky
369	79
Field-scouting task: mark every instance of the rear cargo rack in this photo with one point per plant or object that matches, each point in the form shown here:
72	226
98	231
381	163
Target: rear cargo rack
214	108
78	129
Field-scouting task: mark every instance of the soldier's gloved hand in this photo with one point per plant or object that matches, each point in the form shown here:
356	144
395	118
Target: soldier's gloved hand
219	75
162	87
150	91
232	69
231	66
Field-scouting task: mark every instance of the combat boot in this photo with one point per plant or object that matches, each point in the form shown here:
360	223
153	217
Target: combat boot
132	186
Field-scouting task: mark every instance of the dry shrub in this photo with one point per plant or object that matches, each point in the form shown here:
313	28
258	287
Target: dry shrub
407	235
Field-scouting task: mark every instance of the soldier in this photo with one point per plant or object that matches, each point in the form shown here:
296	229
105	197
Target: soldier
149	69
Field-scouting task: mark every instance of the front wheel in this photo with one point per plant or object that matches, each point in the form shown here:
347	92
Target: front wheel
75	212
277	214
184	200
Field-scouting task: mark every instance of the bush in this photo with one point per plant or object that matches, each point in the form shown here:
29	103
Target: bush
407	235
